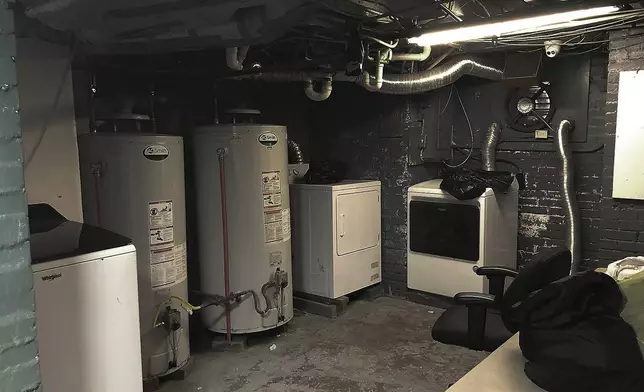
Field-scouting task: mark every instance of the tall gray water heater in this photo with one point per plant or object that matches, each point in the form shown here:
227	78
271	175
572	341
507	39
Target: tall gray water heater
133	184
248	165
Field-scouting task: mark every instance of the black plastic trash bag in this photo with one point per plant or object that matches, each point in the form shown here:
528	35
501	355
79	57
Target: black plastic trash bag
469	184
327	172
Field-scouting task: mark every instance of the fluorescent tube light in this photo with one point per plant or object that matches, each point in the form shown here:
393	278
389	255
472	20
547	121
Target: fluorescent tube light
498	29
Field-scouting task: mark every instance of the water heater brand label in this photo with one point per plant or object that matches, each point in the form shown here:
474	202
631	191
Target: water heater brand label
156	152
268	139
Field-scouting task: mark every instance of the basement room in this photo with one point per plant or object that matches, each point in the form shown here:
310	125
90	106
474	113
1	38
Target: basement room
321	196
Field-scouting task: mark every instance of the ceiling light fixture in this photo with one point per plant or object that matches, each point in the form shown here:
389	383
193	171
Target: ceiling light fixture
497	29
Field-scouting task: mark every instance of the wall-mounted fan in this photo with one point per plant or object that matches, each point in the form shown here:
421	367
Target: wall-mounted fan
529	107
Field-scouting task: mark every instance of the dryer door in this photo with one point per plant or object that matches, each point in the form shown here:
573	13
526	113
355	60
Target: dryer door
444	229
357	221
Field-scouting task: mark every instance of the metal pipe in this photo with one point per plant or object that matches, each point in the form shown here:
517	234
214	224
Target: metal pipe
433	79
401	84
568	196
323	94
422	56
488	151
224	225
366	78
294	152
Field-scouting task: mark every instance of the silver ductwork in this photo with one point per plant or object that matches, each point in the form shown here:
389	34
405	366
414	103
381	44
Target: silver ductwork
568	196
436	78
235	57
324	93
489	147
413	83
295	155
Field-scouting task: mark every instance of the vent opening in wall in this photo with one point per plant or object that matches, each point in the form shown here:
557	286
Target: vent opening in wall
528	107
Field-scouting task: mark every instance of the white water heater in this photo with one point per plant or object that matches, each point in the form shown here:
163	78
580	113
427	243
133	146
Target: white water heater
241	175
133	184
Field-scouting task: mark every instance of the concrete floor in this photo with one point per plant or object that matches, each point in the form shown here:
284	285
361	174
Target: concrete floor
378	346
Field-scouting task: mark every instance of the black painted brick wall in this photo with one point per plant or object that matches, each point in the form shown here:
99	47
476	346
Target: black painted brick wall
622	223
541	214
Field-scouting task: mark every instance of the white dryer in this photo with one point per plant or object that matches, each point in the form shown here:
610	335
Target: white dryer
87	306
447	237
336	237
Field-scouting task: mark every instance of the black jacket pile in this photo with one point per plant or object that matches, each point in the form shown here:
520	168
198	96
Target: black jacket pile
574	339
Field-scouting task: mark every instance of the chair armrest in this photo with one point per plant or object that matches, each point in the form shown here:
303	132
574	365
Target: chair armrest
470	298
496	277
495	271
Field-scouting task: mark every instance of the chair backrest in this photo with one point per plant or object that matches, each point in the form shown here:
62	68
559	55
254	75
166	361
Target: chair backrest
546	267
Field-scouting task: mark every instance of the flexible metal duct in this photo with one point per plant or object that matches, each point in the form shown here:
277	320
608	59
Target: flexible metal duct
294	153
489	147
568	196
434	78
324	93
235	57
413	83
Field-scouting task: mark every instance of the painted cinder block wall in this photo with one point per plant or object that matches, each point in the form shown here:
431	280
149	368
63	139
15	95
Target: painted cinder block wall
18	348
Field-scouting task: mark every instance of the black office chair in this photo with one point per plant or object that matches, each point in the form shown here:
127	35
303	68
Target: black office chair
475	321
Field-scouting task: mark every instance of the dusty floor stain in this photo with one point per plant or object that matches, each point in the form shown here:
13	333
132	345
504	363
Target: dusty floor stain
379	346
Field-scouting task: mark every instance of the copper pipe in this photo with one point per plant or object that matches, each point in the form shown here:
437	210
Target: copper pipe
224	224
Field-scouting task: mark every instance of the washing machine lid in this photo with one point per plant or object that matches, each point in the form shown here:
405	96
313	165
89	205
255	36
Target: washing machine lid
339	186
54	238
433	188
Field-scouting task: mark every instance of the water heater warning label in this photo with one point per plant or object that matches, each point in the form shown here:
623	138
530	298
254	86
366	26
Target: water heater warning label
161	236
168	266
160	214
271	182
271	189
277	225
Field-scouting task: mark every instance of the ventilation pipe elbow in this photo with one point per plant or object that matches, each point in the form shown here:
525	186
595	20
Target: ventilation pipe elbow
568	196
424	55
489	147
433	79
235	57
324	93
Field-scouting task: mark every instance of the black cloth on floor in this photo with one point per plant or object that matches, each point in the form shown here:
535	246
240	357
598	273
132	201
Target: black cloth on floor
574	339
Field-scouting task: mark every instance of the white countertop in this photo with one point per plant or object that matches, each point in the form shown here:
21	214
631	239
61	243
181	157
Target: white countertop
501	371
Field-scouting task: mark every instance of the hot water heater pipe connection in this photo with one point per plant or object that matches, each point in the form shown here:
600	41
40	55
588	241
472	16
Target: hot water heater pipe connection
279	282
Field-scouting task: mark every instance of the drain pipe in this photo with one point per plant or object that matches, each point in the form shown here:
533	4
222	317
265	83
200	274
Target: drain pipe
489	147
424	55
235	57
568	196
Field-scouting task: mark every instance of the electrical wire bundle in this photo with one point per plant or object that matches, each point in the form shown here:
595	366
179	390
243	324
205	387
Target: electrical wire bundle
592	32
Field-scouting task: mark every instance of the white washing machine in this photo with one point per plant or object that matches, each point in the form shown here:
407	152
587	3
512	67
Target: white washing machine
336	237
87	307
447	237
